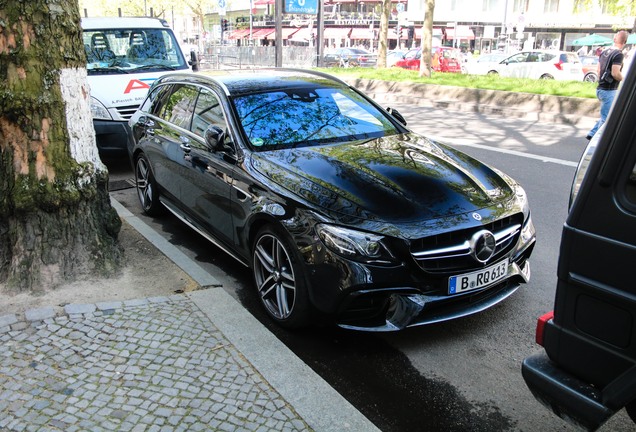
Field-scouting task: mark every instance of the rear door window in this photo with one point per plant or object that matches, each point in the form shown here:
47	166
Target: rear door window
207	112
179	107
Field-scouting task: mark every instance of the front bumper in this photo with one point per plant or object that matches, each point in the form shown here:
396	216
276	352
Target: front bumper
404	307
567	396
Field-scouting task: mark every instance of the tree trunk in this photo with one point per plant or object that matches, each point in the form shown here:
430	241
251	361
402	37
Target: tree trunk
56	221
427	39
384	32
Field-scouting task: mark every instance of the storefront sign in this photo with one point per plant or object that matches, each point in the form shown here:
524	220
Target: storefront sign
309	7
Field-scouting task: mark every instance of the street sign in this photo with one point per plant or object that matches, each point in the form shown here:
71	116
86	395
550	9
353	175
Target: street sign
222	6
400	7
309	7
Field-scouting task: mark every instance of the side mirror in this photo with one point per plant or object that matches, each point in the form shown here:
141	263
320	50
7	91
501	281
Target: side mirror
396	114
214	137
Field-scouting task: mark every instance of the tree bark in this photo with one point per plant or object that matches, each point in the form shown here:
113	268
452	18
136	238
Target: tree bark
384	32
427	39
56	221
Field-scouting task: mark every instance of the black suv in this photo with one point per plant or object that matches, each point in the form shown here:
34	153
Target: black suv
588	370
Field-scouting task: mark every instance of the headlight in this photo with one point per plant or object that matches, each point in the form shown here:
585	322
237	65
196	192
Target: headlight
522	197
99	111
356	245
528	233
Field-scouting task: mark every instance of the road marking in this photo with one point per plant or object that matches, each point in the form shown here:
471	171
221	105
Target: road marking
510	152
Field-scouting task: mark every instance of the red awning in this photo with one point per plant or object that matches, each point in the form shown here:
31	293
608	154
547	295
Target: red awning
261	33
337	33
361	33
238	34
263	2
437	32
462	32
329	2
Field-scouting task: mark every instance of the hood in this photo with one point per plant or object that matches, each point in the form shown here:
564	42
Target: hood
115	90
397	179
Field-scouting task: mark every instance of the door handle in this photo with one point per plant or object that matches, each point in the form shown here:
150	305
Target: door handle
185	144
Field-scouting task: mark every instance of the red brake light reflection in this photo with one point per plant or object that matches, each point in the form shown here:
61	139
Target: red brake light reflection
541	322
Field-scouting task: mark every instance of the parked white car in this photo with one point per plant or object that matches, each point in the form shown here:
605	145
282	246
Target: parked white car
541	64
484	63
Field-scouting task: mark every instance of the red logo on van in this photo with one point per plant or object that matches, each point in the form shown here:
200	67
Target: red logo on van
136	85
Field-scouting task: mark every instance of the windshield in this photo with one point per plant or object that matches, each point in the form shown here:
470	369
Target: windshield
309	116
129	50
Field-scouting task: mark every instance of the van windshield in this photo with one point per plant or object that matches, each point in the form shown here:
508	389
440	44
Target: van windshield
128	50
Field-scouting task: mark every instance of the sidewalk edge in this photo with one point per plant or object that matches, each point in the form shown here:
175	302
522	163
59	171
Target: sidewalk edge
195	271
322	407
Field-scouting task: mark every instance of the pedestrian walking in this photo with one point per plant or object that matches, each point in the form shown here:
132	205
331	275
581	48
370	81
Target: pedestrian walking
610	74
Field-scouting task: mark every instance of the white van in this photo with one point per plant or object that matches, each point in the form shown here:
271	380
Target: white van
124	56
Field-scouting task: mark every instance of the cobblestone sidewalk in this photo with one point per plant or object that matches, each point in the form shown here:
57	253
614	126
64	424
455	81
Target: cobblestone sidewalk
142	365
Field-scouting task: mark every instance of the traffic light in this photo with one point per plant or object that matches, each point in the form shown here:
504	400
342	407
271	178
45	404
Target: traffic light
224	24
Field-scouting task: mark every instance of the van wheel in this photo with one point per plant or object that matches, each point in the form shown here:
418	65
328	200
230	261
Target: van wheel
546	77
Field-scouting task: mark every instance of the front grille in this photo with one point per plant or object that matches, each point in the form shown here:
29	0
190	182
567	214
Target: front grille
127	111
451	252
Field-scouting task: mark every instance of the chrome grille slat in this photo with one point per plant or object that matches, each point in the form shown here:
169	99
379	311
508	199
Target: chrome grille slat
450	252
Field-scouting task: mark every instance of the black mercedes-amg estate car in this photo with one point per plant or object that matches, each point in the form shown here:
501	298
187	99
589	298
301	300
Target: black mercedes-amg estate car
336	207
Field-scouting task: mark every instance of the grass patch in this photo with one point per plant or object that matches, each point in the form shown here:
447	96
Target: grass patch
489	82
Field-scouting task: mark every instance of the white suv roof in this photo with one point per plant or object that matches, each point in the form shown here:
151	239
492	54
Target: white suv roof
122	22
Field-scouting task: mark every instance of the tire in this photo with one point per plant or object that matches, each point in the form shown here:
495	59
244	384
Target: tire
147	188
546	77
492	72
590	77
279	278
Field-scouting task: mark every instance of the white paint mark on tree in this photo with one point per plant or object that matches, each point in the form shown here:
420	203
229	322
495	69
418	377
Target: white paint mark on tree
76	95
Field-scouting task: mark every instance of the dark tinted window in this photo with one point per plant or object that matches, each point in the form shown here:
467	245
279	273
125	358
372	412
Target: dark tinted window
155	100
207	111
179	106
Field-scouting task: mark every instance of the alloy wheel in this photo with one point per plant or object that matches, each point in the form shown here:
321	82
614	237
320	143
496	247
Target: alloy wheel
144	187
274	276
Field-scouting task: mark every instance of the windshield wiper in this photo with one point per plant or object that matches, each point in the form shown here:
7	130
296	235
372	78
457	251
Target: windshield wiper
156	66
109	69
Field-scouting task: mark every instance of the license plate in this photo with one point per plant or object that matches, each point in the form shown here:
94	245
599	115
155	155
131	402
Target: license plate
478	279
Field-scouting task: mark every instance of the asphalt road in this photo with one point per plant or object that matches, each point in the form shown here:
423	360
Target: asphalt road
455	376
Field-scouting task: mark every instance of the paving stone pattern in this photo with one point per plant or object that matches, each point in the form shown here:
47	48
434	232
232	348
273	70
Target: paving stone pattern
155	364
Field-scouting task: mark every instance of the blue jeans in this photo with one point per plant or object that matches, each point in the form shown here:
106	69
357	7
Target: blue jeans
607	98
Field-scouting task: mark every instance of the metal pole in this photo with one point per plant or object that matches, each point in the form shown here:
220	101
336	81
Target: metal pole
251	19
279	33
503	26
320	48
